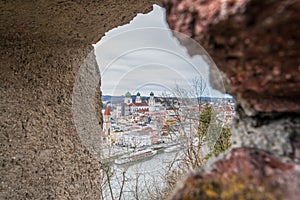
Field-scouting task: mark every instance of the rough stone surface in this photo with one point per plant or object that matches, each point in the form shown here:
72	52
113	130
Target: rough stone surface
255	43
244	174
85	107
256	46
43	43
275	133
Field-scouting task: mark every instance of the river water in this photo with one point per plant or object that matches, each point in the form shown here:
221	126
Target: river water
142	179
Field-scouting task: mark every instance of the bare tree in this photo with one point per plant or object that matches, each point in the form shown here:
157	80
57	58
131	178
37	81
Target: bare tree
110	179
186	106
198	88
199	134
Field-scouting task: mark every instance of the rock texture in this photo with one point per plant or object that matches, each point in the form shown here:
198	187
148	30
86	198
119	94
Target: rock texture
43	43
255	43
243	174
256	46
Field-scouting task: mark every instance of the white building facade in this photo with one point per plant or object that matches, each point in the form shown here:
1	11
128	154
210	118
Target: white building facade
107	128
135	139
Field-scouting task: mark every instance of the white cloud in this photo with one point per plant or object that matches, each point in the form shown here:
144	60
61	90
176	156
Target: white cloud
143	55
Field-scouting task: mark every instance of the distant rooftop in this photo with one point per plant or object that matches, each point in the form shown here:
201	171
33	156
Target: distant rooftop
128	94
135	133
139	104
107	112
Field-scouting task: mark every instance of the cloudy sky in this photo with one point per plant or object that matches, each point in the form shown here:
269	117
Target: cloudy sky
144	56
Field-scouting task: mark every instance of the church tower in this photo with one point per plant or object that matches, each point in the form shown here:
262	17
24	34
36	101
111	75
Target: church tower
138	98
151	102
106	131
128	99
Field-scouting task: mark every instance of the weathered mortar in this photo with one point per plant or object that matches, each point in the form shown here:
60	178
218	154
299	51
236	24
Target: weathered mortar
43	43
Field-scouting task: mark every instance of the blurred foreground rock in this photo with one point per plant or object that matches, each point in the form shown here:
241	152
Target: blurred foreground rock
244	173
256	47
255	43
43	43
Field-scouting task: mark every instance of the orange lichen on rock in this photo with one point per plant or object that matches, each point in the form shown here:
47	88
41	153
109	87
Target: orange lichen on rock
245	174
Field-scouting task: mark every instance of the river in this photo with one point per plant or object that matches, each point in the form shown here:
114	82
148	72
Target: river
142	179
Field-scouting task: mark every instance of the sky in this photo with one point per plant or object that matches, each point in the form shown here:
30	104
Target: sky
143	56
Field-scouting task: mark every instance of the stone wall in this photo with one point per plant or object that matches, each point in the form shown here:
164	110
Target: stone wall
256	46
43	43
254	43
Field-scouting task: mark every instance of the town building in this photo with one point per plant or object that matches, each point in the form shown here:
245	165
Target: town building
151	102
107	126
138	98
138	107
225	113
130	106
122	110
128	98
135	139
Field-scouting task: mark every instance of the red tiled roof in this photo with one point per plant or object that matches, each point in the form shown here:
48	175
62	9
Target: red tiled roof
172	108
139	104
143	110
107	112
228	108
165	134
103	134
147	130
